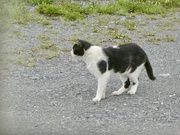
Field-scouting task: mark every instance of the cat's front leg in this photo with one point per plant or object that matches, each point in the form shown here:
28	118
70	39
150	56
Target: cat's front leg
102	84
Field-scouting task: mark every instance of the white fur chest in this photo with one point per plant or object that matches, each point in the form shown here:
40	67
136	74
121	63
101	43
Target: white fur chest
92	56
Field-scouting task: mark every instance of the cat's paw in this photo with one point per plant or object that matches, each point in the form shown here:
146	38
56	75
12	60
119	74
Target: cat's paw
131	92
96	99
116	93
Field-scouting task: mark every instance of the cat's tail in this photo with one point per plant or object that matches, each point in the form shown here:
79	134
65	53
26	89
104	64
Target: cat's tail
149	70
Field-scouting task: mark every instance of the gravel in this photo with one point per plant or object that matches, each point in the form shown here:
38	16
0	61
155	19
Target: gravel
55	96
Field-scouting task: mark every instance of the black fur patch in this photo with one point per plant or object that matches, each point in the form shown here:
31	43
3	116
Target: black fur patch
134	83
80	47
102	65
124	57
127	84
78	50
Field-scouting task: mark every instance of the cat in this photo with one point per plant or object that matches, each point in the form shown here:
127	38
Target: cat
127	60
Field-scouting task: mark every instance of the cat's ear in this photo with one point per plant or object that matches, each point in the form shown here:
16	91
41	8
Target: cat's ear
75	45
79	42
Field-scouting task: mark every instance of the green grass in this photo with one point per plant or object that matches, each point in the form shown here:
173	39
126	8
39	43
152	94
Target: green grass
70	11
36	2
110	8
26	61
130	24
123	37
16	10
48	50
157	39
43	38
74	11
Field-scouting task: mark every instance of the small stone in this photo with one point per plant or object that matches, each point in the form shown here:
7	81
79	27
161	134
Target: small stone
165	75
34	78
172	95
49	90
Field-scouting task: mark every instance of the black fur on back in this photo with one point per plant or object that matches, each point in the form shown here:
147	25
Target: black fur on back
124	57
127	56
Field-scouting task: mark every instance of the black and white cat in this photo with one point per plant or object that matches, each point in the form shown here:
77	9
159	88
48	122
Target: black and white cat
126	59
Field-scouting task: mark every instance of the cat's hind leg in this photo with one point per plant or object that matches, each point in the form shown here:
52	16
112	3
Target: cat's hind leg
125	85
135	80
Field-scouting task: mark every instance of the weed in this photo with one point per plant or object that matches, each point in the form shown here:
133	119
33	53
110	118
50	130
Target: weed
74	16
148	33
36	2
26	61
54	32
43	37
124	37
46	22
49	50
18	12
48	54
18	33
139	6
95	29
169	38
165	38
153	17
74	11
110	8
155	40
70	11
65	49
166	25
130	24
49	9
49	46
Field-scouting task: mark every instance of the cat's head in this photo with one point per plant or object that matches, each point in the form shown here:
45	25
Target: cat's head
80	47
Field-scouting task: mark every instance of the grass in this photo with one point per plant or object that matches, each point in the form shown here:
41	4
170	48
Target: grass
74	11
36	2
17	11
123	37
48	50
166	25
109	8
26	61
157	39
70	11
43	38
130	24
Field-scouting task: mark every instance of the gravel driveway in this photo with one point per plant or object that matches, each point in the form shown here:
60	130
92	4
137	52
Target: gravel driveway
55	96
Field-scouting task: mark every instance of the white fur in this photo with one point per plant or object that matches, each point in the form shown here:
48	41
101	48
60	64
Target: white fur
91	57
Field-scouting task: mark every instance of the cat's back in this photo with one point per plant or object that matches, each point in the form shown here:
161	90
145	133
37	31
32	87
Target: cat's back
124	49
131	47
